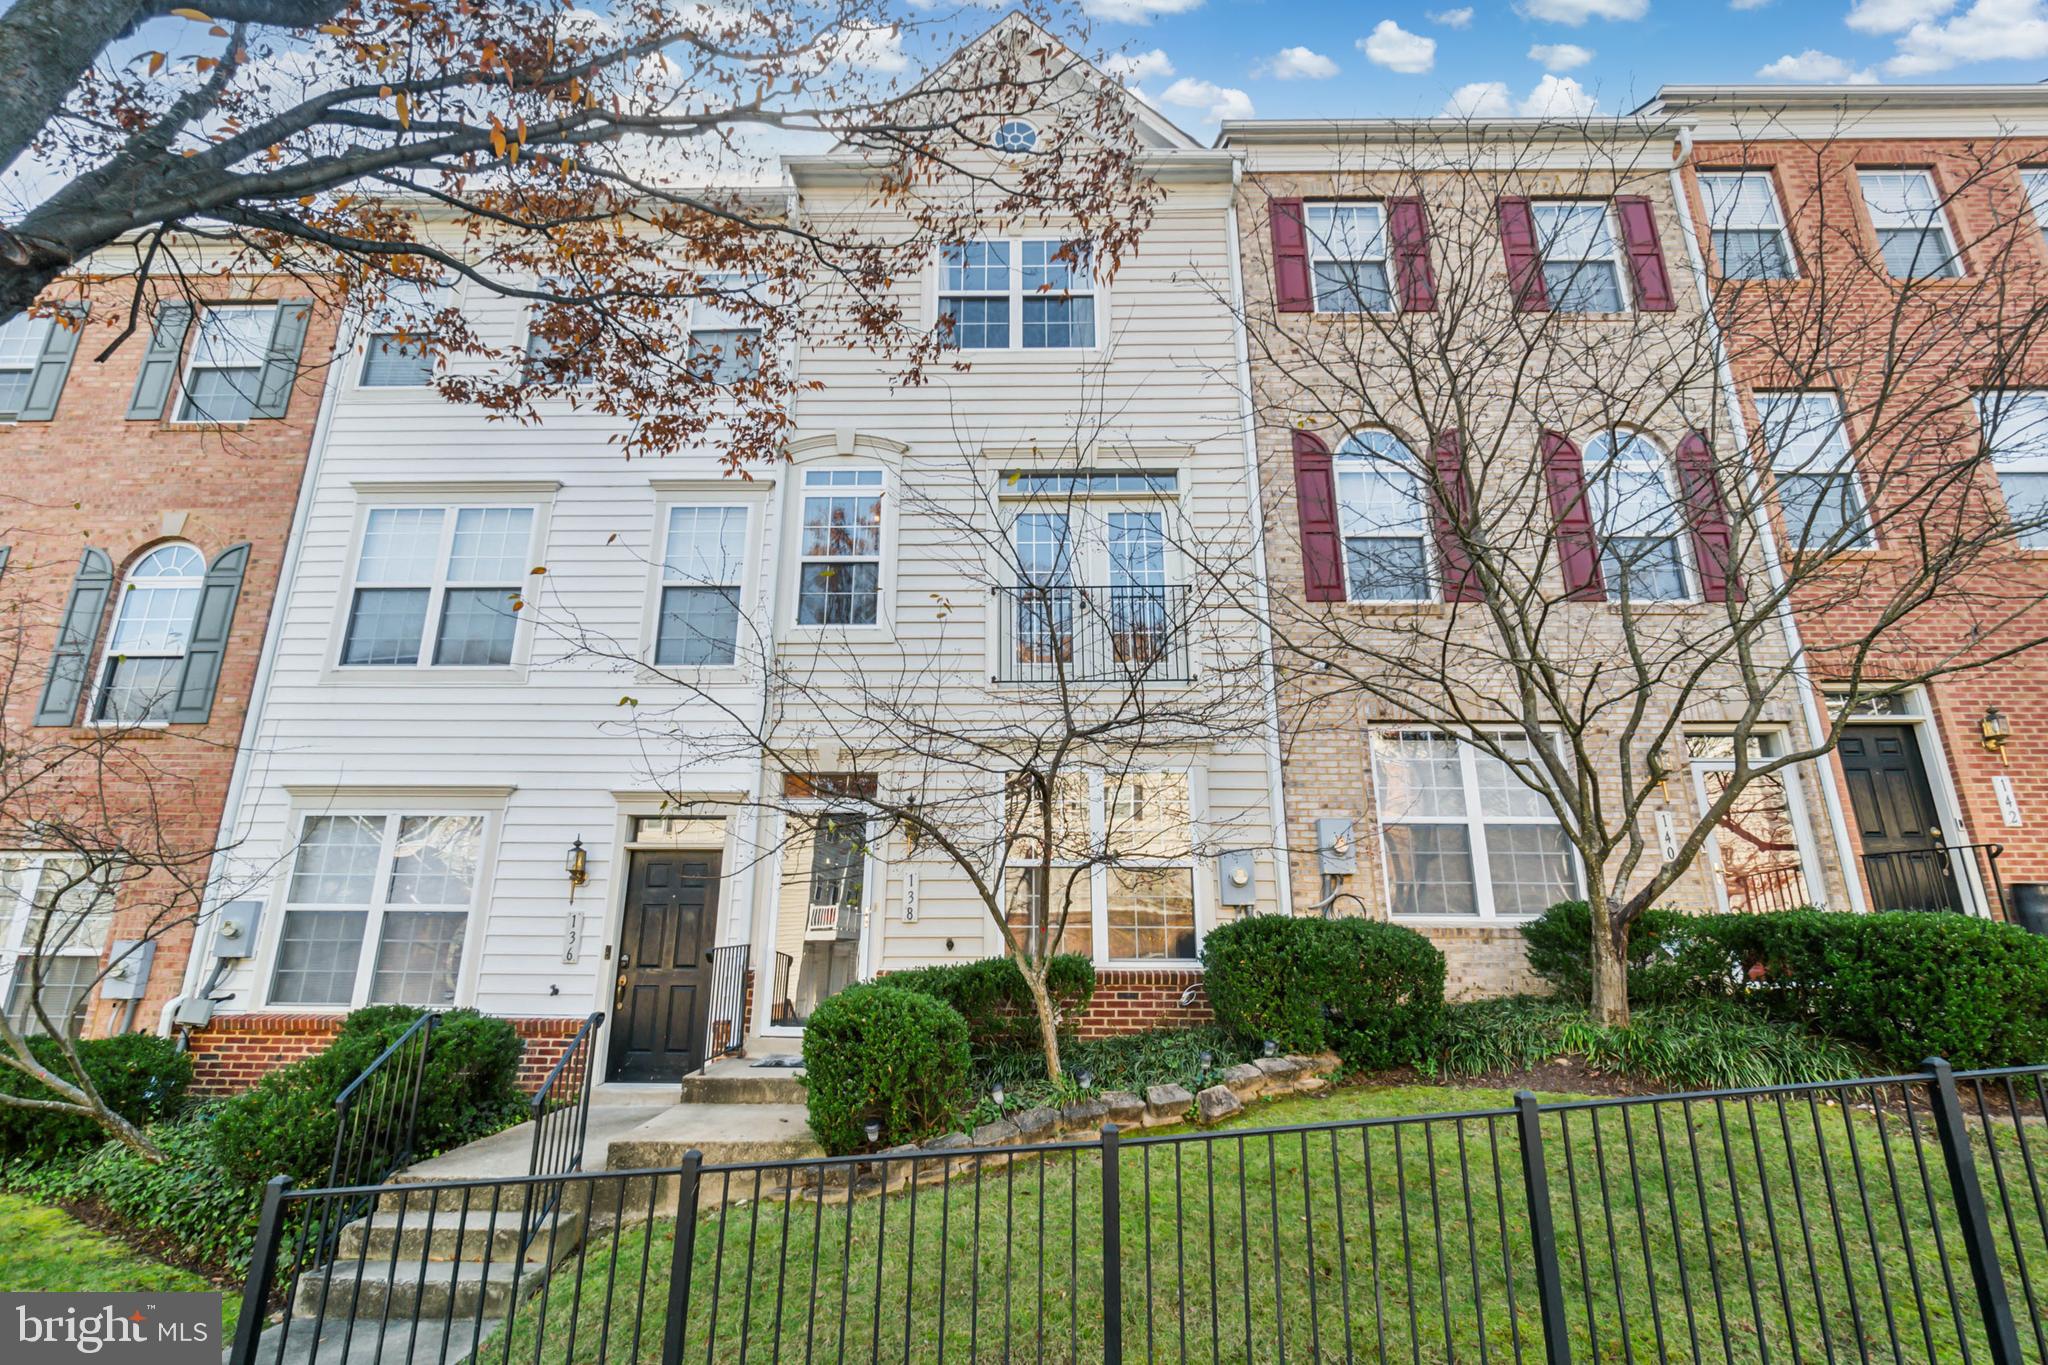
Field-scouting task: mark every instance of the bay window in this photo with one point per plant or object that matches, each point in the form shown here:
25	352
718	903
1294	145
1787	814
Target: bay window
1461	833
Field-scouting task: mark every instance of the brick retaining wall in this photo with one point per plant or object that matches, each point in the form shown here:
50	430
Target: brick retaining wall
235	1051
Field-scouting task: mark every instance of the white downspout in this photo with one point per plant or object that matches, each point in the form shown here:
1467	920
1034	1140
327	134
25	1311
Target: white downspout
1774	568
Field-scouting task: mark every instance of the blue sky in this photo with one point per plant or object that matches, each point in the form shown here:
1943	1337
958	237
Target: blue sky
1201	59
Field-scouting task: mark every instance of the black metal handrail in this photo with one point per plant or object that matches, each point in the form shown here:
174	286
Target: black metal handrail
1962	878
560	1113
1069	632
377	1114
725	1026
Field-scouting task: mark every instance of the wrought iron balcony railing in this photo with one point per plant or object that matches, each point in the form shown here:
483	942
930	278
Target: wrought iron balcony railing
1068	632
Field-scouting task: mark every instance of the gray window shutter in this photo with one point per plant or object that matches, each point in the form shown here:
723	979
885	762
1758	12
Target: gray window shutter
281	367
54	366
160	363
75	636
193	703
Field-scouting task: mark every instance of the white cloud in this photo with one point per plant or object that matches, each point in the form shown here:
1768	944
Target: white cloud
866	48
1560	56
1894	16
1576	12
1296	64
1460	17
1815	68
1747	4
1397	49
1136	11
1989	30
1215	101
1132	67
1552	97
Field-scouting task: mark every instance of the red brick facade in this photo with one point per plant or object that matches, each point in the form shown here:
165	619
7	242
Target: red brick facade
235	1051
90	477
1134	1001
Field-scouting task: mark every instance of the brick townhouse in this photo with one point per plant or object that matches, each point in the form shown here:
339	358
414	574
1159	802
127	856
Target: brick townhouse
1872	254
148	504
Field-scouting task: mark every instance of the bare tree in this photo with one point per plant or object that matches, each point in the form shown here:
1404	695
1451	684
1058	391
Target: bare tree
1564	538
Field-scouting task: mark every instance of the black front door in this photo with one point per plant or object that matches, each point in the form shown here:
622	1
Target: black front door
1904	864
664	992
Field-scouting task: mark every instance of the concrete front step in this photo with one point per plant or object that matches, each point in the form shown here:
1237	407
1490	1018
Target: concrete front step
303	1341
743	1084
370	1291
726	1134
415	1235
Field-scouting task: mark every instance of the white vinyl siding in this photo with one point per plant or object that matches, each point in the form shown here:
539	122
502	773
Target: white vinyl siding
1748	226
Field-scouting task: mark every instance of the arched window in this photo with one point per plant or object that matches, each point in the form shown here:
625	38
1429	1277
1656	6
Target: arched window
152	628
1634	506
1382	520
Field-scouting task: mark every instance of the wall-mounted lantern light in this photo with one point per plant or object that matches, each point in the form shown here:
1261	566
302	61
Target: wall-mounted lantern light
1996	730
577	865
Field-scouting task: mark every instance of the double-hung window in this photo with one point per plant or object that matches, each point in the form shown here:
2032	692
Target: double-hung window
725	343
21	350
1382	520
2035	182
702	567
2015	423
839	568
54	913
1912	232
1747	225
437	586
1462	833
1635	512
1019	293
1122	867
404	883
1819	495
146	646
1347	253
1581	258
547	355
224	373
400	350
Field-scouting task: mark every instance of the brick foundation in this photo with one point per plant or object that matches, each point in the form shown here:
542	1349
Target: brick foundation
1133	1001
234	1051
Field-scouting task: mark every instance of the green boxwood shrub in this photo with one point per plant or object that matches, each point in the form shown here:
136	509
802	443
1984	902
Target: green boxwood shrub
1369	991
1560	948
881	1052
142	1077
990	994
286	1123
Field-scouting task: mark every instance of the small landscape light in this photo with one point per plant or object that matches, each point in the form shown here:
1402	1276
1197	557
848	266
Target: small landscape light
1207	1060
1270	1049
1086	1078
996	1093
874	1131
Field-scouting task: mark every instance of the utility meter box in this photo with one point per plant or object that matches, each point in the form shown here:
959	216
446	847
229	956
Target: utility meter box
1336	845
1237	872
234	929
128	964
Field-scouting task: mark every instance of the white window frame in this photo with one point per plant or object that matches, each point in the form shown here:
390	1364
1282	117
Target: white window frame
1667	473
874	873
1018	130
743	583
1357	453
1771	407
1718	218
435	297
1795	801
708	317
393	814
1320	251
22	351
537	497
2027	463
885	558
527	358
125	585
193	363
1474	820
1016	294
2034	181
1616	259
1938	216
17	916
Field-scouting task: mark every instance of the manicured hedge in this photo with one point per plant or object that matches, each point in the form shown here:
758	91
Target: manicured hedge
1560	943
1371	992
142	1077
990	994
899	1057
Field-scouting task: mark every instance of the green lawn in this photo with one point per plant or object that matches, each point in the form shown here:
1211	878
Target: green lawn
43	1248
1725	1231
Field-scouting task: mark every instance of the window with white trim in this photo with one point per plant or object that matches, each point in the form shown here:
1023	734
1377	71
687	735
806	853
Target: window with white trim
22	340
1912	231
725	343
145	655
702	566
55	911
405	884
1819	494
1635	512
2035	182
1122	865
1446	810
1020	293
1748	226
839	548
1581	257
1347	255
224	372
2015	423
544	353
400	351
1094	580
1759	852
1382	520
438	586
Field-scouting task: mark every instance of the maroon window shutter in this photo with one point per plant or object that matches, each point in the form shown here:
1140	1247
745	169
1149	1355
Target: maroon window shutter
1713	544
1410	231
1525	262
1292	289
1315	502
1645	253
1578	549
1451	507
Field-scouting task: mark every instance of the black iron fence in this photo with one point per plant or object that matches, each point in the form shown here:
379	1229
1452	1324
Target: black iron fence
1962	878
1899	1217
1066	632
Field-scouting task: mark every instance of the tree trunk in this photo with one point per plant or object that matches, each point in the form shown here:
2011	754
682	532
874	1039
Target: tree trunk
1610	962
1048	1018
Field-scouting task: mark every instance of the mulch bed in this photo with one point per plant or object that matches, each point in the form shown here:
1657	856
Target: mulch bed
151	1243
1562	1076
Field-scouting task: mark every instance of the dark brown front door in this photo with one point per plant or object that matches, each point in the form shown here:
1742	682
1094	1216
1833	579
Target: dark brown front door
664	992
1904	864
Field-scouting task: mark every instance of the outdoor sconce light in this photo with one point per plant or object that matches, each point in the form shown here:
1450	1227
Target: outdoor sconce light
577	865
1996	730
